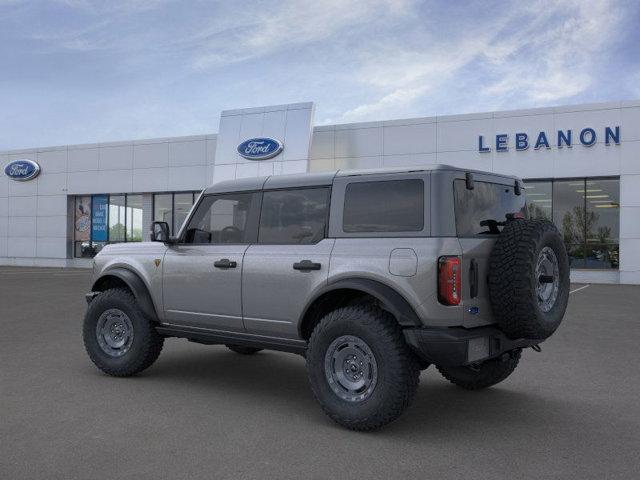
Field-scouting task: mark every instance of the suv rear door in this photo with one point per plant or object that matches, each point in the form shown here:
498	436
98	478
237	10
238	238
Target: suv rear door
289	261
488	202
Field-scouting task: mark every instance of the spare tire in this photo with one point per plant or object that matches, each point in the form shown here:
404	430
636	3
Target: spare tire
529	279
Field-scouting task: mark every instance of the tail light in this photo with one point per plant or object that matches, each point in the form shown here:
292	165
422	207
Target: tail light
449	280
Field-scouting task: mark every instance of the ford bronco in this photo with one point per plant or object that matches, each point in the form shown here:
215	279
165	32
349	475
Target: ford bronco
370	275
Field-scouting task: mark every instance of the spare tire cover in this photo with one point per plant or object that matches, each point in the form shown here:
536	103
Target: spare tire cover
529	279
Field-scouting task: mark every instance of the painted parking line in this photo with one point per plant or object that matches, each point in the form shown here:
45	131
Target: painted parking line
579	288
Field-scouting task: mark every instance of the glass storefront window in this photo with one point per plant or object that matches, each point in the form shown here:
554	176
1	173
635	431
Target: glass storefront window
587	213
163	208
569	217
173	208
117	218
603	225
539	199
134	218
182	203
103	219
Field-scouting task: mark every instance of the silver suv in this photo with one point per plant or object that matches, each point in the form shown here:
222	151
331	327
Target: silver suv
371	275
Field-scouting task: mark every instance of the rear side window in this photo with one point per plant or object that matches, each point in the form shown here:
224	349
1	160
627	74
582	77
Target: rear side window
385	206
483	210
297	216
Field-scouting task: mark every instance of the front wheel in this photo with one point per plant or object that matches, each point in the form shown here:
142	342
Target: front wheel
119	339
361	371
486	374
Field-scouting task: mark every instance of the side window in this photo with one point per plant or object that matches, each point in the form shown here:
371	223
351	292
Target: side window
220	219
384	206
297	216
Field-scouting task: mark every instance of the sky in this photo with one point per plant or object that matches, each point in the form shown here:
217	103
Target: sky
80	71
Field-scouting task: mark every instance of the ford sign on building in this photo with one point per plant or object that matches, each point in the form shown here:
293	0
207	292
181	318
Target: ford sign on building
260	148
22	170
580	165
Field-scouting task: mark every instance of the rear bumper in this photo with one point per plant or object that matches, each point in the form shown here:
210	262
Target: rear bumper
460	346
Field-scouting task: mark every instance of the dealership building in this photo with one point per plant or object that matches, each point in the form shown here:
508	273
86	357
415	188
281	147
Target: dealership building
581	165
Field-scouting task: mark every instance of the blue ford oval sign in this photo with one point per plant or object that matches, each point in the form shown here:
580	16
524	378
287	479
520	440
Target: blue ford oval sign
22	170
260	148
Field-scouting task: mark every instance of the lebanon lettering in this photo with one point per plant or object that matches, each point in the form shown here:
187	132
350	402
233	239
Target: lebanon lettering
562	139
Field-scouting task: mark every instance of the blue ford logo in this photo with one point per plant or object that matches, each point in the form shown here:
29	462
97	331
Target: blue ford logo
260	148
22	170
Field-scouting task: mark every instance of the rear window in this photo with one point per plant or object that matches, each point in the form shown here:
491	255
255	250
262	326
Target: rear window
483	210
385	206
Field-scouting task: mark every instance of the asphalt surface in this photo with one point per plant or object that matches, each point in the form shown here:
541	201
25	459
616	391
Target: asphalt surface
572	411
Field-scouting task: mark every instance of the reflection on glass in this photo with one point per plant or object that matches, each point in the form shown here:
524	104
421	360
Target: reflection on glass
134	218
162	209
539	199
603	212
183	203
569	217
117	218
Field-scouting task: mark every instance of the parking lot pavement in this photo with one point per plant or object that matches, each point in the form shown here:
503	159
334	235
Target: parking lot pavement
572	411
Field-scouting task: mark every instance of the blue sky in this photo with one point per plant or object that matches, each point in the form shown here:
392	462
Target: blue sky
79	71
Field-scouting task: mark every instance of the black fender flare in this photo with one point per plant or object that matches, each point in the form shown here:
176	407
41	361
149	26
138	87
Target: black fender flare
137	287
390	299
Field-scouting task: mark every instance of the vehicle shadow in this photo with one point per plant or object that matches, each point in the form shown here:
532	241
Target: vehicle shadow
440	410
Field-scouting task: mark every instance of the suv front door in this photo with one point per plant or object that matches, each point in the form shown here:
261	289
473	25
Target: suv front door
290	260
202	274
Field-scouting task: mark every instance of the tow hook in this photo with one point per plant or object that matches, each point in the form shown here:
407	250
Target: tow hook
536	348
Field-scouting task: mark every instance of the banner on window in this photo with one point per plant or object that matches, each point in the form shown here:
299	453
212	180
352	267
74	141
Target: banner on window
99	221
83	219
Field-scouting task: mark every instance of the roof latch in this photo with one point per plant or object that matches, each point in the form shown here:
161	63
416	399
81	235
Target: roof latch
469	180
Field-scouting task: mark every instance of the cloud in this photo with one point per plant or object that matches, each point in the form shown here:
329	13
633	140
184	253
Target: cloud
263	31
541	53
552	61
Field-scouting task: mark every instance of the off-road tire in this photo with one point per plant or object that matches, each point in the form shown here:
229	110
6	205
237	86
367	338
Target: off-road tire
512	279
242	350
486	374
146	344
397	368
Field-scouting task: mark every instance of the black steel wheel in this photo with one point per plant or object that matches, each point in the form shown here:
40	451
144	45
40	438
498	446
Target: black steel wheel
361	371
118	337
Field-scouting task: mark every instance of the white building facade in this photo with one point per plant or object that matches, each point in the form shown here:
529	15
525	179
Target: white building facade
581	165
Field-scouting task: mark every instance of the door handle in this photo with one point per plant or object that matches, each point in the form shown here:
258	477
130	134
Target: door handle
224	263
306	265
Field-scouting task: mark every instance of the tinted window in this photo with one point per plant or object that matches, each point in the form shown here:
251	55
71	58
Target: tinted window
481	211
293	216
220	219
387	206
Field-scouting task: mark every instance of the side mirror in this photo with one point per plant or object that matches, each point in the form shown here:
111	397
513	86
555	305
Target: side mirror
159	232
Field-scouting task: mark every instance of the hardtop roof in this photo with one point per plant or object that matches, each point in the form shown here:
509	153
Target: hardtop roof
326	178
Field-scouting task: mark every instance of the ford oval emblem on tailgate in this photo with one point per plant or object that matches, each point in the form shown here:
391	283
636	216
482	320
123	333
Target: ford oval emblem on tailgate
260	148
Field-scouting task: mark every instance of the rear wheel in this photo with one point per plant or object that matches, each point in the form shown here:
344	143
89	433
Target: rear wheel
243	350
361	371
119	339
486	374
